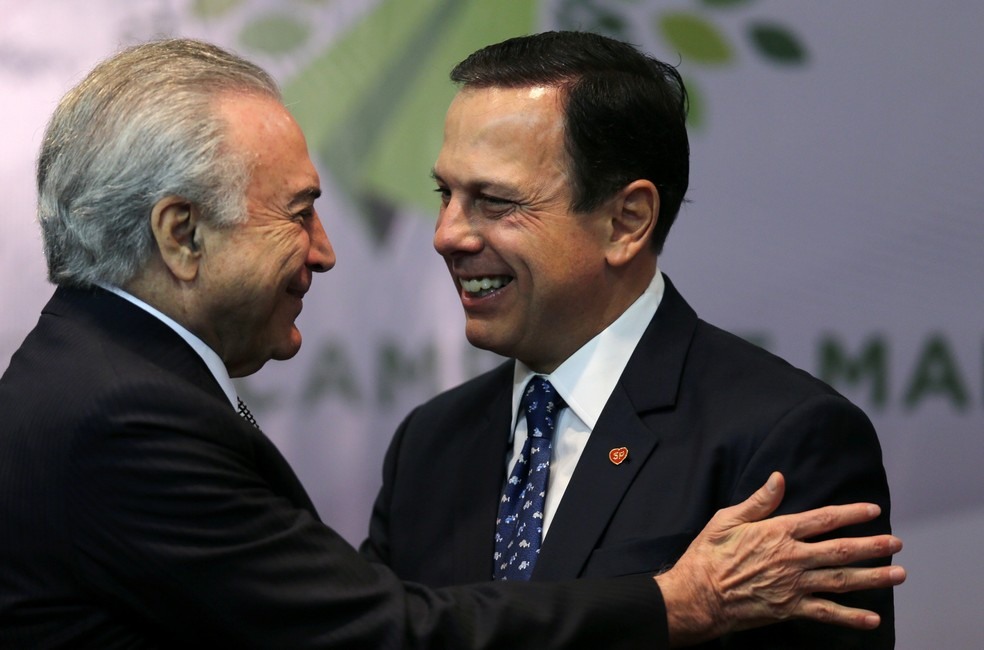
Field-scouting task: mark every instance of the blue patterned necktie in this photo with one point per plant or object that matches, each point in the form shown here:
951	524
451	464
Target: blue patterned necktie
519	526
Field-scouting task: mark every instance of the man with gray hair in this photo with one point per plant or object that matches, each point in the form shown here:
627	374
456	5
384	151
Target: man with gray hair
139	509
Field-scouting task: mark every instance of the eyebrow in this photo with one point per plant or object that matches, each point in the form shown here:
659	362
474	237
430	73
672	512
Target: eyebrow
480	185
305	196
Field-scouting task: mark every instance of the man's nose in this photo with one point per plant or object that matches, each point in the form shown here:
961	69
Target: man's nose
321	255
455	232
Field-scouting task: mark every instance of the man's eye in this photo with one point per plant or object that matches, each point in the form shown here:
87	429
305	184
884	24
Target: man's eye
444	193
495	205
494	200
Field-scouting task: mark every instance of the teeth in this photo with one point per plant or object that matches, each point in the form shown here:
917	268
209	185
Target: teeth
483	286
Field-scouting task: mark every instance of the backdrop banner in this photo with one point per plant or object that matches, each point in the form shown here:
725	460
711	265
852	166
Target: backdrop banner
834	217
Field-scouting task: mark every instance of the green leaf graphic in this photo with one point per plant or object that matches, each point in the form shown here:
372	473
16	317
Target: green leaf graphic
697	40
387	89
777	44
206	9
274	34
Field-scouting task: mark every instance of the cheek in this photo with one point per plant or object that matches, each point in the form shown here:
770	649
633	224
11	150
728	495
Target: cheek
571	278
559	259
282	261
295	251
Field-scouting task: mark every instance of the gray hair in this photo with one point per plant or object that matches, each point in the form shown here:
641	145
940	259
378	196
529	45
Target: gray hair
140	127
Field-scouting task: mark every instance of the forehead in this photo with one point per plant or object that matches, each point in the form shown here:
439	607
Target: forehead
263	131
503	131
252	119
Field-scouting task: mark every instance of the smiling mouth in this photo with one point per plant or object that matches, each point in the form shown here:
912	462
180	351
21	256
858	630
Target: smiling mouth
479	287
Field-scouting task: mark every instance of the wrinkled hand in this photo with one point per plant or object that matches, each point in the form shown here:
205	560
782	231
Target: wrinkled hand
744	571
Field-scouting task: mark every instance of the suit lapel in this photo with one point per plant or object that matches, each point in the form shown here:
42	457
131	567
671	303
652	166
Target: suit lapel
649	383
595	490
481	450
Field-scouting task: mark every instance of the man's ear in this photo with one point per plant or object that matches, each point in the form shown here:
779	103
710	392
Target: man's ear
634	216
174	222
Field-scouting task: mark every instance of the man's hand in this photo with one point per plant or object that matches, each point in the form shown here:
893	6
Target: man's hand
744	571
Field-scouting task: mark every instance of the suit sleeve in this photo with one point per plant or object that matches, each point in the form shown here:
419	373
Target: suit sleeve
828	451
179	524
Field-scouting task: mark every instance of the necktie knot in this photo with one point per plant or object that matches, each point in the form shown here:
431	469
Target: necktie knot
541	405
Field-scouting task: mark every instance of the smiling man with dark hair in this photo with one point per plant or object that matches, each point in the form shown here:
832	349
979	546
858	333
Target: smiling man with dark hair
622	422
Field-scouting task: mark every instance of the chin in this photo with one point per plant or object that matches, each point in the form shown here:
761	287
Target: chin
484	341
246	369
288	348
284	355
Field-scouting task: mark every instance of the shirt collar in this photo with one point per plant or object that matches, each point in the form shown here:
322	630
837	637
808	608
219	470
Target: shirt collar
587	378
207	354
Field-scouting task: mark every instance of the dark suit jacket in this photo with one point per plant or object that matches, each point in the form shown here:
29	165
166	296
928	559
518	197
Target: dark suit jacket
138	510
705	417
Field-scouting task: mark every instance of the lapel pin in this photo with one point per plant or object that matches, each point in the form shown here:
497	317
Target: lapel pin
618	454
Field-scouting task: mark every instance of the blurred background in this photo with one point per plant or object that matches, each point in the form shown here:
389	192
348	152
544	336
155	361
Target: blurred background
836	217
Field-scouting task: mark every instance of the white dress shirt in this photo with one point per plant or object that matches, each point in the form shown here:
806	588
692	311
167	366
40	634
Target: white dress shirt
207	354
585	381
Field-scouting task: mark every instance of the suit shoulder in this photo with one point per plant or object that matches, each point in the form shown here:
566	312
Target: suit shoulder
719	355
479	388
